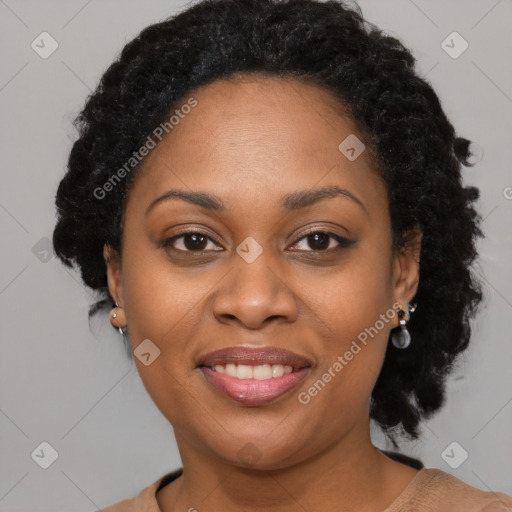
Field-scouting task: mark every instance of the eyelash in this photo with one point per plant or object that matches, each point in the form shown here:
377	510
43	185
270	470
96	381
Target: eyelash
343	242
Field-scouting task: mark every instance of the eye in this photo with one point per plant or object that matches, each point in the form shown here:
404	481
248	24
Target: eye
189	241
321	241
196	241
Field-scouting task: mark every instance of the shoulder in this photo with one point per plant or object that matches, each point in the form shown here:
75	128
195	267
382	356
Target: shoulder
145	500
433	490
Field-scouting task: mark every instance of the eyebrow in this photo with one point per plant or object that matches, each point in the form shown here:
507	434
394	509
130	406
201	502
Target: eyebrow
290	202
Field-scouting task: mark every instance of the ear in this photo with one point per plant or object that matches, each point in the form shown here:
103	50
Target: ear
114	273
406	268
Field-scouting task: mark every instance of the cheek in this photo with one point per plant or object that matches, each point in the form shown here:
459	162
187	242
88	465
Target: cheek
351	297
165	307
355	303
160	301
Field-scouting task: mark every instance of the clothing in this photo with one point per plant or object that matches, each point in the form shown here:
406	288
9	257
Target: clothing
431	490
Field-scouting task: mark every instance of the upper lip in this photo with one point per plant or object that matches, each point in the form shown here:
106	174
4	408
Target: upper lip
254	356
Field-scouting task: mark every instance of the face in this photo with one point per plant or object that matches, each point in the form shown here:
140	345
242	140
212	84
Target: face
300	287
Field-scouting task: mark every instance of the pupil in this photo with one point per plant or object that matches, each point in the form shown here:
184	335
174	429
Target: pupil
316	241
197	242
324	240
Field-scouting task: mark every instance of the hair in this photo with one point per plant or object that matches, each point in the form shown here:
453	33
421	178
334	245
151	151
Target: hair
397	112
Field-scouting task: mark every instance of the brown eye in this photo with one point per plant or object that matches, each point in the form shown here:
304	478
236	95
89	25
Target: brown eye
321	241
195	241
191	241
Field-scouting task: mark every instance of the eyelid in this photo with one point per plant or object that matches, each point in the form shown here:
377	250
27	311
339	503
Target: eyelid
342	241
316	229
169	241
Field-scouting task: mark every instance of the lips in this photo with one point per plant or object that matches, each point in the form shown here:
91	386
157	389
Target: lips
254	357
254	376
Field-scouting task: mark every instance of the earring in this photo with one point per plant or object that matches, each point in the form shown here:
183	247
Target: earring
113	314
402	338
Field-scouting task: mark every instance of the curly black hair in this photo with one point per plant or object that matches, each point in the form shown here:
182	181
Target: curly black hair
397	112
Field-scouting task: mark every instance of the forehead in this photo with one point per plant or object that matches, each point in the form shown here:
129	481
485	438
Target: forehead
251	138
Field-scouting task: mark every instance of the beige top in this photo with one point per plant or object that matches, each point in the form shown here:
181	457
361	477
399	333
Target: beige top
431	490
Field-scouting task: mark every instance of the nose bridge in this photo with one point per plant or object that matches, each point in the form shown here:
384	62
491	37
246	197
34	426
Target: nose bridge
256	275
254	290
252	274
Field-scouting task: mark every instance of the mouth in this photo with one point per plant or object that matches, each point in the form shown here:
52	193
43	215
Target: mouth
254	376
259	372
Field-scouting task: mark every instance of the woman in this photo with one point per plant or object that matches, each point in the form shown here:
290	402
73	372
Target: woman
269	197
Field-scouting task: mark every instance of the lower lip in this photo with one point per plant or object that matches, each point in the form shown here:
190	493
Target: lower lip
254	391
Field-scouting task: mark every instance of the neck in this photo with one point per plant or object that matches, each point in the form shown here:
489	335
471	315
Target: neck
348	476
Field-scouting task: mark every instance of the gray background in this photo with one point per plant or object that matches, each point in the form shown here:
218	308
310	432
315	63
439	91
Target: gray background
76	389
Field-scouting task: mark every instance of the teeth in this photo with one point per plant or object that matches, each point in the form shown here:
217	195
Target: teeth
231	370
244	371
262	372
259	372
277	370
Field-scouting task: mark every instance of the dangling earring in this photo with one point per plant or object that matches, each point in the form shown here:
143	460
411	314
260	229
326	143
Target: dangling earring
113	314
402	338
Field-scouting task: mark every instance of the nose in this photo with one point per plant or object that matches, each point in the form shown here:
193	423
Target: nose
254	294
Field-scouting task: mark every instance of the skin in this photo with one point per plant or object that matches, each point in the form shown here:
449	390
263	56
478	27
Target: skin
251	140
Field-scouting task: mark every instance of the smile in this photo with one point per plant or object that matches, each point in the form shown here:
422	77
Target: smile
259	372
254	376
